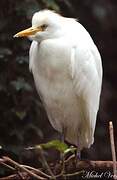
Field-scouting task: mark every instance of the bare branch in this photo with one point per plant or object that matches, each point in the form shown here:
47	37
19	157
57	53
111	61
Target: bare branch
69	165
38	171
6	165
7	159
15	176
45	163
113	149
95	165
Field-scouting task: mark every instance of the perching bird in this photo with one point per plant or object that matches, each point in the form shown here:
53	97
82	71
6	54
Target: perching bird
67	70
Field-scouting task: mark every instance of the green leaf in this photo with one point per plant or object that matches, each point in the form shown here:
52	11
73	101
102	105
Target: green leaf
56	144
71	149
20	114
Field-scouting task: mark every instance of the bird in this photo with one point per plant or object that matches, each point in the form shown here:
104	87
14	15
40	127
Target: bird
67	70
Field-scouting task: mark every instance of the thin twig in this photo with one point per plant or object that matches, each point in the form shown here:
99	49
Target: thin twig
63	166
23	168
45	162
69	158
21	175
113	149
95	165
80	165
15	176
74	174
38	171
69	174
8	166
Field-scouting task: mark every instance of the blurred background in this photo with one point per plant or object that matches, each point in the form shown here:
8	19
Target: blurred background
23	121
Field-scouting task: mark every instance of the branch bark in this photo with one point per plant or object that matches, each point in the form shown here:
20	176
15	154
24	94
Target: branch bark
113	149
69	167
95	165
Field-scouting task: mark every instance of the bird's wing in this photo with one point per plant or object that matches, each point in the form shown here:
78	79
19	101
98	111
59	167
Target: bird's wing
32	54
86	74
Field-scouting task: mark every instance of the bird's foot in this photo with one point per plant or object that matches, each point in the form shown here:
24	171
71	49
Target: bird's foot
77	156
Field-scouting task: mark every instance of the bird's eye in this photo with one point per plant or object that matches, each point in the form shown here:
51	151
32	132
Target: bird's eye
44	26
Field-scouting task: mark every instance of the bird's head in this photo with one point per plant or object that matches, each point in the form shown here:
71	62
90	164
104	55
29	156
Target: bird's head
45	24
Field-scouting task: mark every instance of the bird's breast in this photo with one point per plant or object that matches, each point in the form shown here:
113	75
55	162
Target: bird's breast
52	61
53	82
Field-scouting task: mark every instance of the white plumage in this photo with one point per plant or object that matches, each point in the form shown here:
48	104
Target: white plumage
67	70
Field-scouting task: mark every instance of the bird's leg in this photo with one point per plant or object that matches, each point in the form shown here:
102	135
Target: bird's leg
62	140
62	154
78	154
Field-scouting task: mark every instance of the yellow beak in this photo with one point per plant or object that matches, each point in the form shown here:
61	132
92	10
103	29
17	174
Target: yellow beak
28	32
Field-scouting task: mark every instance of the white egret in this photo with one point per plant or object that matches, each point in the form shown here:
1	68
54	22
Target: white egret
67	70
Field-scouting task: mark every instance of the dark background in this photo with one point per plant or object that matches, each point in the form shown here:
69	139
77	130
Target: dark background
23	121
